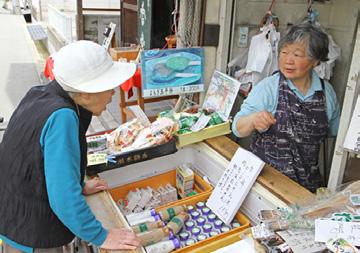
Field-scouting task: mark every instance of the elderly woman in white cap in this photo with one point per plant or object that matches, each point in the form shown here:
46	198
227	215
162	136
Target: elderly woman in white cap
43	156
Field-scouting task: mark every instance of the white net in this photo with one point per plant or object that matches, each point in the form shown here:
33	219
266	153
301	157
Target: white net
188	33
189	23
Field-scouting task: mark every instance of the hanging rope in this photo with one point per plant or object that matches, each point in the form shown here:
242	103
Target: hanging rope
312	14
270	17
271	6
309	9
175	14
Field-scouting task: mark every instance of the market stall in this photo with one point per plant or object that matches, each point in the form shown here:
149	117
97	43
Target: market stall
272	189
213	155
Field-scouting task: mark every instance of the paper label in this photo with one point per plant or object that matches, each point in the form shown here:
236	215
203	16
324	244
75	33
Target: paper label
301	241
94	159
355	199
328	229
200	123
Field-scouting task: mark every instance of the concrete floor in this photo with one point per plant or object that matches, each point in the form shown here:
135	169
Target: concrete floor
18	69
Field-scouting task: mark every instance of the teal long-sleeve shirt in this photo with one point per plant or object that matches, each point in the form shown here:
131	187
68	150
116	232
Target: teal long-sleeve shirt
60	145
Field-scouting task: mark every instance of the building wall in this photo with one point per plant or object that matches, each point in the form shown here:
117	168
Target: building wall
338	17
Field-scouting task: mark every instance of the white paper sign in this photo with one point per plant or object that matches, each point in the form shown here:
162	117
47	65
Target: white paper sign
234	184
352	138
301	241
200	123
328	229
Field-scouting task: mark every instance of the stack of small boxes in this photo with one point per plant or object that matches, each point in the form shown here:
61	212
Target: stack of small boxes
147	198
184	180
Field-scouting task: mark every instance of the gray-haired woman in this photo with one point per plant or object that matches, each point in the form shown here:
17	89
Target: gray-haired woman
293	110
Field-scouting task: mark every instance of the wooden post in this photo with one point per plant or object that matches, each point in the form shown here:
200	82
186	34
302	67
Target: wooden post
122	105
113	41
80	20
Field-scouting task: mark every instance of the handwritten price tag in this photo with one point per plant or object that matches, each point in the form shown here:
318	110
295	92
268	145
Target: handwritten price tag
328	229
94	159
301	241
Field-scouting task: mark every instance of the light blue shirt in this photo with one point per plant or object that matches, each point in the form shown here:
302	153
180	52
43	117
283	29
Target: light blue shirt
60	145
264	96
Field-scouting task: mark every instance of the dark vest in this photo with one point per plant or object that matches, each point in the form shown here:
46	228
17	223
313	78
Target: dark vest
25	213
292	144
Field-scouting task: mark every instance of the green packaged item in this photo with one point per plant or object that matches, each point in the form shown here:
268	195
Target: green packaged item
184	131
167	114
192	193
187	122
215	119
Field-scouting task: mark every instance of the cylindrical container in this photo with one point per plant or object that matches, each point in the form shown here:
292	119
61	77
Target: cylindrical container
213	233
146	219
171	235
153	236
190	208
201	237
201	221
189	225
235	224
200	205
177	222
170	212
163	247
195	215
146	226
190	241
184	236
195	231
207	227
225	229
211	217
218	224
205	211
139	216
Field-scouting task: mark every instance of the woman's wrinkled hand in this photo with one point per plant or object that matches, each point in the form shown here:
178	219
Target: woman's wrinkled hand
121	239
263	120
94	185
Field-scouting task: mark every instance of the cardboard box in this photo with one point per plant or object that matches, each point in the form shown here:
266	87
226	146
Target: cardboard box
206	133
184	180
129	53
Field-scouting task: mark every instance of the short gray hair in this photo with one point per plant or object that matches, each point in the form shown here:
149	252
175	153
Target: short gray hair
72	94
315	39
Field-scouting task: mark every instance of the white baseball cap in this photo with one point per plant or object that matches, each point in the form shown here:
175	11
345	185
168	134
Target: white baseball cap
85	66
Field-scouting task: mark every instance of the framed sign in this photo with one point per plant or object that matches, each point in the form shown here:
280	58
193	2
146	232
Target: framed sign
221	94
172	71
